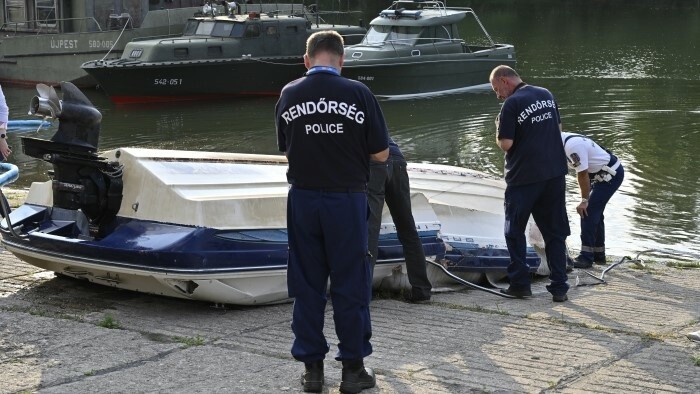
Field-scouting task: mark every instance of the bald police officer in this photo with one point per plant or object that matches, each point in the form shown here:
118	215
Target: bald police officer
528	130
329	127
599	174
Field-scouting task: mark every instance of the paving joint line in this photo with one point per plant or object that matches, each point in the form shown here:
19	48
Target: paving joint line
566	380
116	368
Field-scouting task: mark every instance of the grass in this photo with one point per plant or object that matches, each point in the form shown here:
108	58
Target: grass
108	322
649	336
34	311
684	264
190	341
654	336
696	360
474	308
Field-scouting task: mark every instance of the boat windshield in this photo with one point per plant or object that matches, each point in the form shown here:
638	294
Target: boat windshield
190	28
228	29
214	29
396	35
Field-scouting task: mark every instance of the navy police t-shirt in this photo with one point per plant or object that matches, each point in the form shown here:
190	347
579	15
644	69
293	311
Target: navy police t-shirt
329	125
530	117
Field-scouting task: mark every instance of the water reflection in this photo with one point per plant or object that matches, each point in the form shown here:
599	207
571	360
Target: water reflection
635	91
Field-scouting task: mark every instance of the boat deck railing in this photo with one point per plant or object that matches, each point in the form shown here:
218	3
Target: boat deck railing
400	46
189	39
442	10
58	25
417	6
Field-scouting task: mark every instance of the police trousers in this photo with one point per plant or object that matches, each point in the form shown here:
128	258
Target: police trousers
328	240
546	202
593	224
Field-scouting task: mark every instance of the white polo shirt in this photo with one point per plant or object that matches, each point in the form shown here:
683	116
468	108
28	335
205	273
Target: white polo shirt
584	154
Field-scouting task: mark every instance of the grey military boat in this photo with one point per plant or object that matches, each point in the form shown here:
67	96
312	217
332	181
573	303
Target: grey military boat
413	49
217	56
47	40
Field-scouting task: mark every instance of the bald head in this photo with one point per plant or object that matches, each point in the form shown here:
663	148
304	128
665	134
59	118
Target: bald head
504	80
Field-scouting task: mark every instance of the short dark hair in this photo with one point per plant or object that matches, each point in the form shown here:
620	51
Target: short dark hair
325	41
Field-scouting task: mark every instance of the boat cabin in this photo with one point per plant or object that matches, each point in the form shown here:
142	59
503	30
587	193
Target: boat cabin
225	37
67	16
417	28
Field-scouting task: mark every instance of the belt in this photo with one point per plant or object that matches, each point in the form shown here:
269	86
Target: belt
608	172
355	189
614	162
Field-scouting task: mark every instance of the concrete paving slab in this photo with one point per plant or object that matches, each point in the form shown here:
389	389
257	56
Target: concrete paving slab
626	336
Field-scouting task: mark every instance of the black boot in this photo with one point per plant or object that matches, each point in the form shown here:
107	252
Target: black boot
312	378
599	258
356	377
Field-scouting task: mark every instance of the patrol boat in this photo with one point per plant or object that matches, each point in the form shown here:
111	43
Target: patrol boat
47	41
216	56
212	226
413	49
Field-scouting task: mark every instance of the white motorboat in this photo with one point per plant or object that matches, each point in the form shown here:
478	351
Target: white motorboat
212	226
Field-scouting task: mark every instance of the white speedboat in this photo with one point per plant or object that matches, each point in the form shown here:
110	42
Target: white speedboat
414	49
212	226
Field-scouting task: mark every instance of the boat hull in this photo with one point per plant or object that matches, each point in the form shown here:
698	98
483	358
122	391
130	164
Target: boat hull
243	267
245	287
417	76
182	81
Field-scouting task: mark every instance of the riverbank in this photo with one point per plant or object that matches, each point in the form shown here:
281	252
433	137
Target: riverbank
63	335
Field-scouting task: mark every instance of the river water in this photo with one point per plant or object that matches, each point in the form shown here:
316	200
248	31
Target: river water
626	74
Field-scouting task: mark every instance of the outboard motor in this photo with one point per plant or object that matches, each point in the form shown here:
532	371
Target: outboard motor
81	180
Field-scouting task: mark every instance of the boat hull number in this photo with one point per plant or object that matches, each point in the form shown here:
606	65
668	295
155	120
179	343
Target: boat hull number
167	81
75	44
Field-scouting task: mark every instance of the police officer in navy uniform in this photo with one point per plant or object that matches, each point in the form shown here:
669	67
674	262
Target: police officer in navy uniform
599	174
389	182
329	127
528	130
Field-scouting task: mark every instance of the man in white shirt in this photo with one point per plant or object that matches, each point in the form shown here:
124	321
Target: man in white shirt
4	114
599	174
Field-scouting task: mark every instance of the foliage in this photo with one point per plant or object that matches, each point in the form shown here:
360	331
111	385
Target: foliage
190	341
108	322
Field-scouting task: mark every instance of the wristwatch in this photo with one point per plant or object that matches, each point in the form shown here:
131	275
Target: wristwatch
584	200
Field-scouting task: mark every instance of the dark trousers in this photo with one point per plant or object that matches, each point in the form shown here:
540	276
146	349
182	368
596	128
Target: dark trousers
546	202
593	224
328	239
389	182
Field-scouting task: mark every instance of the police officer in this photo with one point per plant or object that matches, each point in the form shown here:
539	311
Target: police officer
528	130
389	182
599	174
329	127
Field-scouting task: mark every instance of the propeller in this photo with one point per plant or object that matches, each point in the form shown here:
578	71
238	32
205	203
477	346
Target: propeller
47	103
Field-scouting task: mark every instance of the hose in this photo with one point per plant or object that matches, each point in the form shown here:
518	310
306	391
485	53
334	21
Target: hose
467	283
